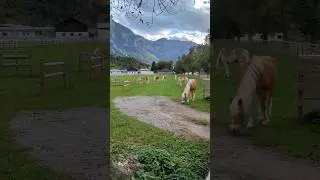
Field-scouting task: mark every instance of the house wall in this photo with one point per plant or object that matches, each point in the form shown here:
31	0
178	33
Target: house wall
103	30
21	33
72	34
258	37
146	72
103	33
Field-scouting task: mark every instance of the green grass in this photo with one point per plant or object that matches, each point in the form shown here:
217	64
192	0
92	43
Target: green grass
129	135
18	92
285	133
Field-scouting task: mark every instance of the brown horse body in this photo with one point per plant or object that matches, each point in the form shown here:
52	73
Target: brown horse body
157	78
143	79
259	78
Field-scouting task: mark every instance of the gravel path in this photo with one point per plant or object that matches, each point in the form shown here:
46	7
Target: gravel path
236	158
164	113
71	141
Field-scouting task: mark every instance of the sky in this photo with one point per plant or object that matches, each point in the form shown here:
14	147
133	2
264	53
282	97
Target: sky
187	20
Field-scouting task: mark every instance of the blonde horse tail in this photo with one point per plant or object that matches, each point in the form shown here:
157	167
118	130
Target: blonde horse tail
248	56
219	59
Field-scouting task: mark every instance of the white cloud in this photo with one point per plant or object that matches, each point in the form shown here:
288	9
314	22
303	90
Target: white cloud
189	20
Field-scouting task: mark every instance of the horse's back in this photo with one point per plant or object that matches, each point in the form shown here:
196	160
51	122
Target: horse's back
241	53
193	84
267	66
264	61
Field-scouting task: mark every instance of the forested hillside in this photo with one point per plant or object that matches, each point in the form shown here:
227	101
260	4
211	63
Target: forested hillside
48	12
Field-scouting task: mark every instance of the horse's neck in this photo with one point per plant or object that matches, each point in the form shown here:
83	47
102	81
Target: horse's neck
247	87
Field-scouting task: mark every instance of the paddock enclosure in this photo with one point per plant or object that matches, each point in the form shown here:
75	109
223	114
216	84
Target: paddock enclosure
295	94
32	59
139	80
41	85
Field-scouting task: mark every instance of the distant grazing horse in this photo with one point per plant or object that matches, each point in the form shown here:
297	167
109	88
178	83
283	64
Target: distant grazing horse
156	78
259	78
237	55
142	79
100	51
189	90
164	78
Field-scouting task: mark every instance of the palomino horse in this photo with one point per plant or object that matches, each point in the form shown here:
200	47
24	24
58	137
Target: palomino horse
156	78
259	78
100	51
237	55
189	90
142	79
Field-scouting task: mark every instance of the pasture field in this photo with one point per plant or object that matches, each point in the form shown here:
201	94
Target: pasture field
285	132
19	93
129	135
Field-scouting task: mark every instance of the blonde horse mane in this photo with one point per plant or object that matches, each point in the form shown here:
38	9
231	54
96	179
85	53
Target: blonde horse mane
219	57
186	90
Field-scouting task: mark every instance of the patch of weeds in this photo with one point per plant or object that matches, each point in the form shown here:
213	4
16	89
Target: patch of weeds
159	164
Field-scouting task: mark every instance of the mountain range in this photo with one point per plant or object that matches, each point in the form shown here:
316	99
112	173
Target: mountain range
124	42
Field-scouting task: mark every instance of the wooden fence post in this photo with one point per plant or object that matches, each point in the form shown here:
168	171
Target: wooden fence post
90	66
41	79
64	76
79	62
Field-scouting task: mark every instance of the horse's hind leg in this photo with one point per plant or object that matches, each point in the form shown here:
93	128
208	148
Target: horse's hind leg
268	108
193	95
262	102
250	122
226	68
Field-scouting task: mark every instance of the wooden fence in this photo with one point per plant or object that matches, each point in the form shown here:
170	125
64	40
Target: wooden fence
21	43
16	58
95	64
44	74
308	87
292	48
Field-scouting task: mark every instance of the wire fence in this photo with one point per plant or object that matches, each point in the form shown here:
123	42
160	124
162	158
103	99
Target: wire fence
7	44
289	47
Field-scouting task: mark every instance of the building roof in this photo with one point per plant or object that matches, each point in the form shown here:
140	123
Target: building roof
80	19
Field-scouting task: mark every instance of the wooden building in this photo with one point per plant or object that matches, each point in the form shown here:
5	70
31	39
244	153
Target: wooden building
76	27
10	31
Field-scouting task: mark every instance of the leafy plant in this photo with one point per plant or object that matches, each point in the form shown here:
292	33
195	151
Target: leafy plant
159	164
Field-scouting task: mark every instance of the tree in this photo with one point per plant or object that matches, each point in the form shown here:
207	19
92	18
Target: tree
153	66
163	65
256	16
170	65
136	8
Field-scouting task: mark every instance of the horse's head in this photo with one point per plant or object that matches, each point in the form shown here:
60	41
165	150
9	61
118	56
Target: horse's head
236	113
183	98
